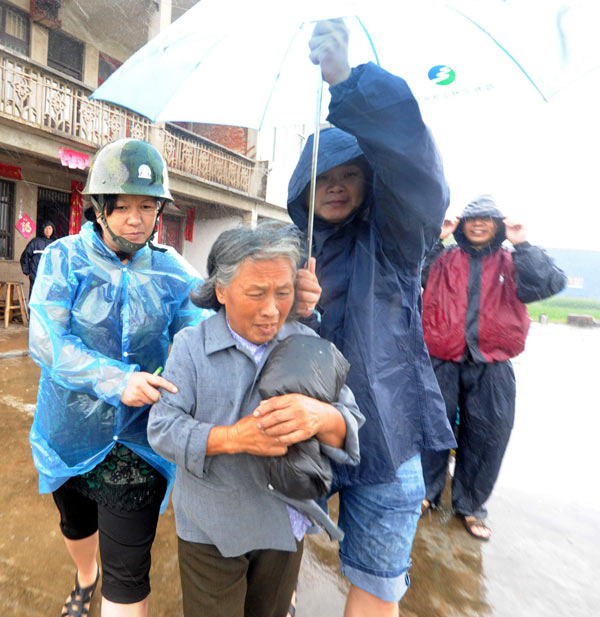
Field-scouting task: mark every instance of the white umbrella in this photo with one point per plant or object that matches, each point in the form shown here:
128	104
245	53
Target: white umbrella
245	63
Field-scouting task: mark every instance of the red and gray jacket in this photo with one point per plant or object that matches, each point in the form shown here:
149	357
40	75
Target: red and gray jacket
474	301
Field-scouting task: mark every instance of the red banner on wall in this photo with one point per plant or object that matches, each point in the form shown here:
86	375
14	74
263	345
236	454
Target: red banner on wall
76	207
189	225
10	171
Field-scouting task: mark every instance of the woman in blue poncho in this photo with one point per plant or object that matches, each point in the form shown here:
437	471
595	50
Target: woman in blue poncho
104	309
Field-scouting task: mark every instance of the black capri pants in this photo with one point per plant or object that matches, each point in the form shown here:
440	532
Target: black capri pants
125	539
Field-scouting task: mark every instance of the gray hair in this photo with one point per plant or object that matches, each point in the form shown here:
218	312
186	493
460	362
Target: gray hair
268	240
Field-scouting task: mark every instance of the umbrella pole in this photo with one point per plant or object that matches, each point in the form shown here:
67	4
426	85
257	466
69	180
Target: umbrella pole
313	174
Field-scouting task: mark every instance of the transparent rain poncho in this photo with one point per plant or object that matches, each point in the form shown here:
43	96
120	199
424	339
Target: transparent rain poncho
95	321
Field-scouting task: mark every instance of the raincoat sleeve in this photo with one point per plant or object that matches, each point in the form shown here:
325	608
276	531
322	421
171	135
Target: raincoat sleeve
537	275
429	260
173	431
54	348
411	194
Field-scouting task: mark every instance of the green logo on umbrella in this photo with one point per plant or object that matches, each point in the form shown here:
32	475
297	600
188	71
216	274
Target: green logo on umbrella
441	75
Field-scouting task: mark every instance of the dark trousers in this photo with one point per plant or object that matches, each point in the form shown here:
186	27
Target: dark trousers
125	540
484	396
257	584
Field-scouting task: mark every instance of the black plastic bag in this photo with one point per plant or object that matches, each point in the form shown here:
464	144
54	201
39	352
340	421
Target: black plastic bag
314	367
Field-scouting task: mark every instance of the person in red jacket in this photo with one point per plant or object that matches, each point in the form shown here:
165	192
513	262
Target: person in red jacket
475	320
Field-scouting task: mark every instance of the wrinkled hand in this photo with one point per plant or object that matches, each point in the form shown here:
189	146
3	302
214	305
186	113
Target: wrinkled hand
308	290
142	389
449	227
294	417
516	233
246	436
329	49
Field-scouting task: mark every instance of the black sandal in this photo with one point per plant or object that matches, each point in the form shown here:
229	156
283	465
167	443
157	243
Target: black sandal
475	522
80	596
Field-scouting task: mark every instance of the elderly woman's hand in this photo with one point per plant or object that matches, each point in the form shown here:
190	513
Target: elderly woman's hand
294	417
243	436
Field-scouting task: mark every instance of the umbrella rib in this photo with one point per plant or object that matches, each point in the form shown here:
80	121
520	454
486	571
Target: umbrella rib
359	20
491	36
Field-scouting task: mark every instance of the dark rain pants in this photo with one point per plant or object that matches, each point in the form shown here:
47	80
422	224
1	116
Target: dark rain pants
484	396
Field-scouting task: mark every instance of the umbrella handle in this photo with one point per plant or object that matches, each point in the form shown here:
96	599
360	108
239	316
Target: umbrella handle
313	174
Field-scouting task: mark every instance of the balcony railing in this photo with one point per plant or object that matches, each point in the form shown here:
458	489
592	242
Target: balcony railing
42	99
186	152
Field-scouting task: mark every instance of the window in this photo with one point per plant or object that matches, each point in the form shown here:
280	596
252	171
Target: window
14	29
65	54
106	67
7	198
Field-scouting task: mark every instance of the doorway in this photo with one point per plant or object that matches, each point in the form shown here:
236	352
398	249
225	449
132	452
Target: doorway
171	232
54	206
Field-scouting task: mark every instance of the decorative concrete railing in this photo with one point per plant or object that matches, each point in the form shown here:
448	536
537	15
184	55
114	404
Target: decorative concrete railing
43	99
189	153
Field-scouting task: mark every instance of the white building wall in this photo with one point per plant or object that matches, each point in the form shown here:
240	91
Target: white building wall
282	148
206	231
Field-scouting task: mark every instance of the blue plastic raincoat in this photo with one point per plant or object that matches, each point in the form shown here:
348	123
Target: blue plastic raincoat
94	321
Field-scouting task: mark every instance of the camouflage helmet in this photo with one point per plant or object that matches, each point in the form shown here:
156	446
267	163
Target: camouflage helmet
128	167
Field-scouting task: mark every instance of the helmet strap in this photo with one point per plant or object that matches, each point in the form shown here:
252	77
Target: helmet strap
122	243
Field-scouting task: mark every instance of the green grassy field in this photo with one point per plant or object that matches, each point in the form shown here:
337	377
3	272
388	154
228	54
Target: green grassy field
558	308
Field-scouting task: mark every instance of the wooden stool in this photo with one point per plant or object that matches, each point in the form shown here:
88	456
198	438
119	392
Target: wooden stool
9	306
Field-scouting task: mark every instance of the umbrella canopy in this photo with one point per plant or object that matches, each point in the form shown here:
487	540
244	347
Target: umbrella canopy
473	50
253	71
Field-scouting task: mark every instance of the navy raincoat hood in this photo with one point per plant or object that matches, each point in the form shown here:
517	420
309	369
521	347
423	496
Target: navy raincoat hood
336	147
49	224
369	267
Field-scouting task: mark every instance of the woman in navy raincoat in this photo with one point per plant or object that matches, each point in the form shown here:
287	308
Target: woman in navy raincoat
103	312
379	205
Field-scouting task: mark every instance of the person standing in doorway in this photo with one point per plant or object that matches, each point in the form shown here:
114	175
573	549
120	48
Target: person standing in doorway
30	258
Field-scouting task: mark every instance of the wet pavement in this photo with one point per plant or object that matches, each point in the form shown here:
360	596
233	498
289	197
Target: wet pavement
545	512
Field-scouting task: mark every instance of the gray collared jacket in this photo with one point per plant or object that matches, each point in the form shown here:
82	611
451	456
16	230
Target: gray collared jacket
225	500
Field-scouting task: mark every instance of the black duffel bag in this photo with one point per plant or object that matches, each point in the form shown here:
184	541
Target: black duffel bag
314	367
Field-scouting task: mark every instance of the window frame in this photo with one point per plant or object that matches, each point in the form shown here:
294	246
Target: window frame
9	232
107	59
61	67
12	42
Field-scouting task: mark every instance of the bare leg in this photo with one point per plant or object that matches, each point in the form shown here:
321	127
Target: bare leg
361	603
111	609
83	553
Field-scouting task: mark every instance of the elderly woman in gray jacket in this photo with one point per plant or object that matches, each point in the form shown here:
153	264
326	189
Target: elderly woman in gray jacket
240	543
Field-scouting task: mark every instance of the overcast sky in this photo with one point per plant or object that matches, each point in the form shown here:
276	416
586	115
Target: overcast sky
541	160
